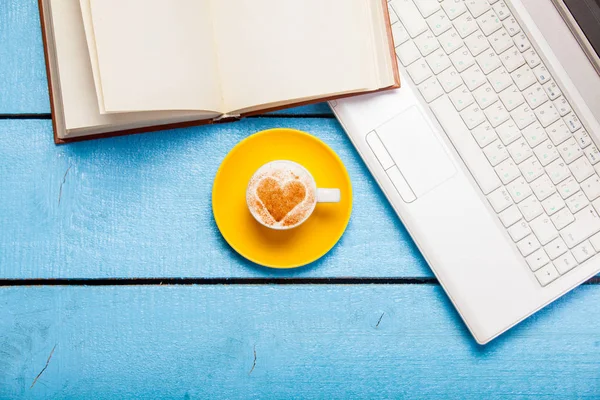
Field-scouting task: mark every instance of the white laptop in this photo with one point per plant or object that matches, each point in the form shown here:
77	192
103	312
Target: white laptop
488	152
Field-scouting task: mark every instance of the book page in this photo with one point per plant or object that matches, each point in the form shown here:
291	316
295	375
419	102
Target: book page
76	103
156	55
275	50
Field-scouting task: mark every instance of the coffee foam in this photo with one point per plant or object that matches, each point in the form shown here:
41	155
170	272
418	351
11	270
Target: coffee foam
284	174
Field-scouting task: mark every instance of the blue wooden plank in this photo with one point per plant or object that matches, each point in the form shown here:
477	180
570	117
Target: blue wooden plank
139	206
23	87
286	342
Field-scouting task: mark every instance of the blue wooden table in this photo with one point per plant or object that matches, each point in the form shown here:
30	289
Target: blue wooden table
114	281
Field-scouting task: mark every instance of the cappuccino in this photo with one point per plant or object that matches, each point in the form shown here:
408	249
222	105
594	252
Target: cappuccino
281	194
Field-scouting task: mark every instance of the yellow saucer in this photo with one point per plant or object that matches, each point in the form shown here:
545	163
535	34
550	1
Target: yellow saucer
280	249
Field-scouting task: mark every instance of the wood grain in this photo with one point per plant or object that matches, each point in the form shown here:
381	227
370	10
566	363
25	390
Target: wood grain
194	342
23	85
139	206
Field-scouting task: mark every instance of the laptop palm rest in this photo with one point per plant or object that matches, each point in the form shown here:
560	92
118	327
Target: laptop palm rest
418	154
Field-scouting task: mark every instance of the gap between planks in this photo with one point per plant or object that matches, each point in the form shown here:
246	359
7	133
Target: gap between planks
226	281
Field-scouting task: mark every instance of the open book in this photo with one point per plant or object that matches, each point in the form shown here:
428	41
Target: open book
126	66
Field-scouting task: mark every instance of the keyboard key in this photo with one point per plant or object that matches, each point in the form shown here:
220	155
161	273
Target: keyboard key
577	202
562	218
546	114
534	134
523	77
586	224
568	188
531	169
537	259
546	153
431	89
462	59
528	245
581	169
450	79
500	40
512	26
500	79
495	153
530	208
439	23
408	53
399	33
558	171
393	16
472	116
535	95
501	10
565	263
592	154
485	95
546	274
572	122
507	171
569	150
488	61
500	199
543	187
450	41
519	230
519	150
521	42
508	132
510	216
461	97
477	7
427	43
411	17
473	77
465	145
518	190
489	22
511	98
453	8
595	241
552	90
419	71
438	61
512	59
553	204
562	105
583	138
476	43
583	251
541	73
523	116
531	58
591	187
556	248
496	114
543	229
427	7
484	134
558	132
465	25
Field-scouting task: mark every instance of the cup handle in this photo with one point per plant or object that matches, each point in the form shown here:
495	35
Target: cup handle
328	195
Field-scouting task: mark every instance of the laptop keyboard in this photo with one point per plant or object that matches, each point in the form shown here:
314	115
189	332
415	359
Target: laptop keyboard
507	118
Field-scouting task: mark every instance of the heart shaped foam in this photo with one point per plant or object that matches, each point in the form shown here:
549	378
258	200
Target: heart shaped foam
280	199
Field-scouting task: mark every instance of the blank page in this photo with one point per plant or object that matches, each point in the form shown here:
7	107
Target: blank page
156	55
274	50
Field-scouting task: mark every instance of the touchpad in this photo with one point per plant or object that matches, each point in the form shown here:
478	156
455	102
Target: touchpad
419	155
